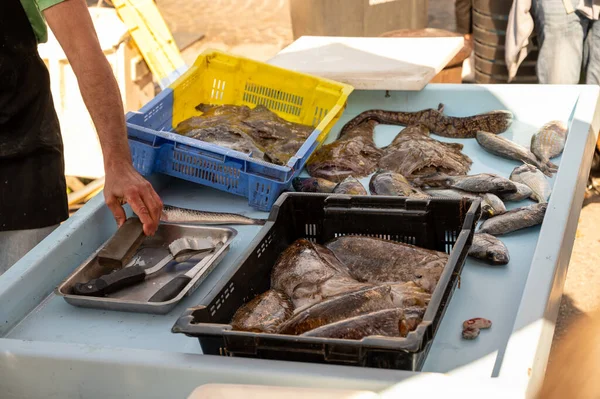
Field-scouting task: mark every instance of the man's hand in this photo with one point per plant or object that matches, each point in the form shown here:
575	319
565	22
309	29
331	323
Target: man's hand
72	25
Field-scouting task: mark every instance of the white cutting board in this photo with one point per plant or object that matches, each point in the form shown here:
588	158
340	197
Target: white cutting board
371	63
234	391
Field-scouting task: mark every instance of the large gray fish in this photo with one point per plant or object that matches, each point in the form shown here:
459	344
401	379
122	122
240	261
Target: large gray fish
549	141
515	219
523	192
173	214
309	273
393	184
489	248
479	183
350	186
338	308
534	179
376	261
313	185
505	148
491	205
264	313
387	323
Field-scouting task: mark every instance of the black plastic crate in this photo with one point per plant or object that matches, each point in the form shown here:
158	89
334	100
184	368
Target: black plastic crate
442	224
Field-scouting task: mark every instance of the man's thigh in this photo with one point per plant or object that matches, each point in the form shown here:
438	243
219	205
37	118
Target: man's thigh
592	58
561	38
15	244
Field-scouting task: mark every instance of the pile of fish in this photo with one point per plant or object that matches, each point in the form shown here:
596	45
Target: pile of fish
349	288
418	166
257	132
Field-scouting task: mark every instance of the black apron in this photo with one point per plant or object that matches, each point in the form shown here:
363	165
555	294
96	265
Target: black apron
32	182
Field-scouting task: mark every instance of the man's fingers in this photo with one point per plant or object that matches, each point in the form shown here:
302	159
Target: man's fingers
154	203
143	212
117	210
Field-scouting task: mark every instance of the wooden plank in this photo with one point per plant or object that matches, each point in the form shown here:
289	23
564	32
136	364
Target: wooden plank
80	195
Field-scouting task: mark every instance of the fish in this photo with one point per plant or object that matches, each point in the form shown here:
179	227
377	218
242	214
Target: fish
338	308
350	186
479	183
213	116
352	154
313	185
229	136
265	313
515	219
409	294
496	121
489	248
173	214
523	192
393	184
534	179
376	261
491	205
387	323
413	154
549	142
505	148
309	273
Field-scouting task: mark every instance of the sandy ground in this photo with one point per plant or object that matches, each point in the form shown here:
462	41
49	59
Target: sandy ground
259	29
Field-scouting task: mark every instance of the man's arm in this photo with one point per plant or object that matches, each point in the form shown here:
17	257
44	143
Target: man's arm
72	25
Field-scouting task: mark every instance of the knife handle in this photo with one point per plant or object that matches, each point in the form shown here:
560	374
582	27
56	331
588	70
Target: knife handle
111	282
171	289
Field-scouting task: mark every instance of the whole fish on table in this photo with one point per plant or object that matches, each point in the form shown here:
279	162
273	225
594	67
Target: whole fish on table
491	205
413	154
535	180
515	219
505	148
489	248
479	183
309	273
265	313
393	184
387	323
339	308
350	186
549	142
523	192
173	214
438	123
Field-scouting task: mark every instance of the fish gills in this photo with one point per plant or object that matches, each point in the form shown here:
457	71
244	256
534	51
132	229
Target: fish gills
339	308
515	219
265	313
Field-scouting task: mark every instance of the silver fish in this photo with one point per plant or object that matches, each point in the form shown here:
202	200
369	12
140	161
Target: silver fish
549	141
505	148
534	179
489	248
479	183
173	214
393	184
523	192
491	205
350	186
515	219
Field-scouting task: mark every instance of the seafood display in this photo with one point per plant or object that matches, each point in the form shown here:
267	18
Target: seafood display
393	184
413	153
515	219
533	178
354	153
505	148
257	132
489	249
438	123
549	142
265	313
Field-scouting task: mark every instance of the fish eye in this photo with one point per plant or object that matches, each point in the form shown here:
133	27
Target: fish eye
418	275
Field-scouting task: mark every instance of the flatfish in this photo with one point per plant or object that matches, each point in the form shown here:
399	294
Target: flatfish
265	313
549	142
309	273
413	153
515	219
437	122
534	179
376	261
339	308
505	148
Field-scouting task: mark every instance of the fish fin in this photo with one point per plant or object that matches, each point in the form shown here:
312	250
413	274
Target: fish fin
441	107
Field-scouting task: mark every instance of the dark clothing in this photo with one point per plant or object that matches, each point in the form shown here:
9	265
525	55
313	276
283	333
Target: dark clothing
463	10
33	190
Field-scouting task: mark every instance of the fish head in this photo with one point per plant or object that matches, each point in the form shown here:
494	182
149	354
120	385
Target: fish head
492	205
427	276
497	255
487	209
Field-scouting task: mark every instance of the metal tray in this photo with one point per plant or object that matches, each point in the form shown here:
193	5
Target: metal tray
152	250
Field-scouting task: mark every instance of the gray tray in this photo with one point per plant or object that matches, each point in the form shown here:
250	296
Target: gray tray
152	250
